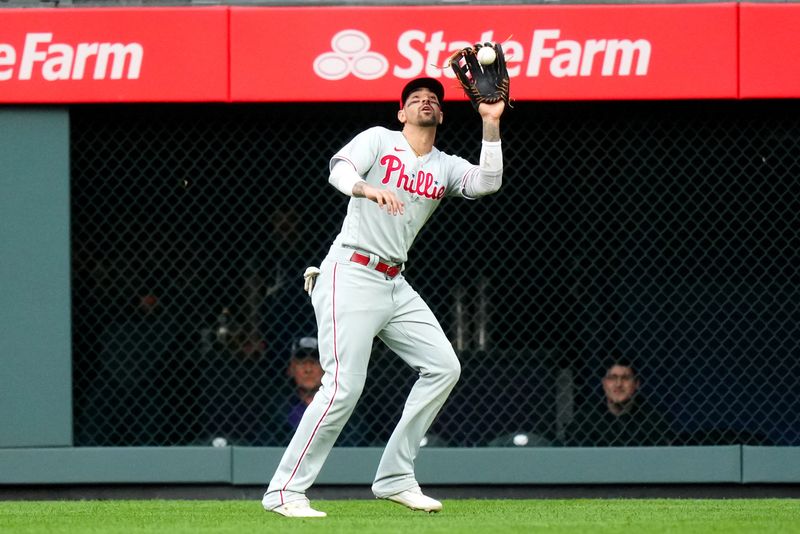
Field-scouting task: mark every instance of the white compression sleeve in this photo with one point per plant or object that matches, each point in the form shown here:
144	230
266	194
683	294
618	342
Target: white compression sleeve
488	177
344	177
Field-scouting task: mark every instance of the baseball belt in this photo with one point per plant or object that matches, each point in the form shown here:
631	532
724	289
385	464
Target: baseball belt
389	270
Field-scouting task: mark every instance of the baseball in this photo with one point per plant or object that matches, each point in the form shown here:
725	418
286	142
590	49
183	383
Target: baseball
520	440
486	55
219	442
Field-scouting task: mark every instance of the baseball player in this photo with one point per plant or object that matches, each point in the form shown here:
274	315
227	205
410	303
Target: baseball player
396	180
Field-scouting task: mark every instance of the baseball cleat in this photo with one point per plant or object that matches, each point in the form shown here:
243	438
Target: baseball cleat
297	509
414	498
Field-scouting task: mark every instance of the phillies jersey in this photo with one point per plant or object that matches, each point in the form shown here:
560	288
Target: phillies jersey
385	159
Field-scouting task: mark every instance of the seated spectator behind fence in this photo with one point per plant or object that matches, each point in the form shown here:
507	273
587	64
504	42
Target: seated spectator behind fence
306	374
623	418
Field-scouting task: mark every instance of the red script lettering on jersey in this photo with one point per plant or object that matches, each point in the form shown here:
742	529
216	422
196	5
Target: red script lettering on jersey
422	184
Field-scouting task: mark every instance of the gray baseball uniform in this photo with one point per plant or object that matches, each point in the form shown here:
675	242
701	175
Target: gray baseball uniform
361	293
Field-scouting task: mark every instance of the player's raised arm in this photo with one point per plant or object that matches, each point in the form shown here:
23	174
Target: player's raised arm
488	176
481	70
490	113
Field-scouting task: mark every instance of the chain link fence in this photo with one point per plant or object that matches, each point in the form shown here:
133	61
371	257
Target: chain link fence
664	233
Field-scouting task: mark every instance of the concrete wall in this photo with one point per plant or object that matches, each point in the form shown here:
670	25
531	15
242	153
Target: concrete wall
35	357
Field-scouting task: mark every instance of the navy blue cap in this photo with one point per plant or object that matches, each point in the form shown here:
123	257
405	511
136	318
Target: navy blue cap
305	347
432	84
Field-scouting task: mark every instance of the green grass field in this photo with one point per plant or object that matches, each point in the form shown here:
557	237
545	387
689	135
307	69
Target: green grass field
729	516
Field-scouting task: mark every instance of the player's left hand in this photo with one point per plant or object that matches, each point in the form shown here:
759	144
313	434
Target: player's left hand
483	80
491	111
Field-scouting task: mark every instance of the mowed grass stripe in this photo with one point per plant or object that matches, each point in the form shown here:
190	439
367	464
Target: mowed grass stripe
729	516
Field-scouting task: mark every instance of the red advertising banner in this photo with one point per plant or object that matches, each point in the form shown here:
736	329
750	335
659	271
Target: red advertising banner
768	42
554	52
113	55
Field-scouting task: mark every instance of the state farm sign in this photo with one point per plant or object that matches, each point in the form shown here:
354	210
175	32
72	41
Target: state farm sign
114	55
63	61
547	52
427	55
560	53
609	57
348	53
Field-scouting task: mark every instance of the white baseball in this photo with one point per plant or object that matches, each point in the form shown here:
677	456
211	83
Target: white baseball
486	55
520	440
219	442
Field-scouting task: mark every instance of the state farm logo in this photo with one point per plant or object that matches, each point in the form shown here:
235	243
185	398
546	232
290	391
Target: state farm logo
546	53
350	55
62	61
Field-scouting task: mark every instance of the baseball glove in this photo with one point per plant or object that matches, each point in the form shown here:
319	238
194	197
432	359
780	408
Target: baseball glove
481	83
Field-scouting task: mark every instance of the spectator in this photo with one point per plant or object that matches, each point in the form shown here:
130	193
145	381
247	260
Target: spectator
275	304
626	418
136	346
306	374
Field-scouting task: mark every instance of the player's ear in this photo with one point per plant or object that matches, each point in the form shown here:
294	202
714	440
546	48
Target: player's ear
441	117
401	115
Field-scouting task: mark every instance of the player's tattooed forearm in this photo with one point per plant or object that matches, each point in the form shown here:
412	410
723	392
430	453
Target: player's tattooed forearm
491	131
358	189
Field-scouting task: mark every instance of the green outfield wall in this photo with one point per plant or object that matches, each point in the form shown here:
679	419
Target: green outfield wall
733	464
35	354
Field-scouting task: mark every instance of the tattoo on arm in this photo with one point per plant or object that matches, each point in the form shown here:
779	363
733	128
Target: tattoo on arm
491	130
358	189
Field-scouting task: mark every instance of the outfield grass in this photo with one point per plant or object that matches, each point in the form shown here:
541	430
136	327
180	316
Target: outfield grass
585	516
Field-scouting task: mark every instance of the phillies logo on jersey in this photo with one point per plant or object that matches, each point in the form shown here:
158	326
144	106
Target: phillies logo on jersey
423	184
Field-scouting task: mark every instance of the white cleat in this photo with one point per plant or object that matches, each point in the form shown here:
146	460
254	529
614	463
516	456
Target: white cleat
416	500
297	509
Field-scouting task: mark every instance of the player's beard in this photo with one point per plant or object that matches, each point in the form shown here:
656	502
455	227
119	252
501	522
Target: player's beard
428	121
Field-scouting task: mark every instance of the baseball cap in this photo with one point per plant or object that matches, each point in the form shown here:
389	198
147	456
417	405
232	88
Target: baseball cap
305	347
432	84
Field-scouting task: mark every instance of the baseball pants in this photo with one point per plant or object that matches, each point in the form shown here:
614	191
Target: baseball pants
354	304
